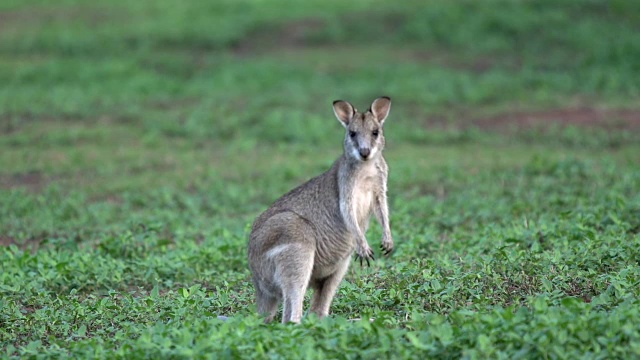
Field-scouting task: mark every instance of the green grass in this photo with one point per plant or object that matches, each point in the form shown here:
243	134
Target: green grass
139	140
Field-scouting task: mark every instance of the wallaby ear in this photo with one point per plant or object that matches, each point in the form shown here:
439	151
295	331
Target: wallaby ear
344	111
380	108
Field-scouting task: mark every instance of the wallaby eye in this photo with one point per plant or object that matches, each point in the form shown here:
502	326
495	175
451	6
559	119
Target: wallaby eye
352	134
375	133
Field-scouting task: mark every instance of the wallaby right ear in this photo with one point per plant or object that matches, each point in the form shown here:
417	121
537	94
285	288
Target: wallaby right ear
344	111
380	108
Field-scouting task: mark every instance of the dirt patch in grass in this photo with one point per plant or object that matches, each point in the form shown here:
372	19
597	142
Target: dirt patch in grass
584	290
33	180
619	119
173	103
6	240
308	34
36	17
294	34
31	245
14	122
448	59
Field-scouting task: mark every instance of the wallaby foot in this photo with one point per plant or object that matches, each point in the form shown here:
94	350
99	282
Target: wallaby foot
267	305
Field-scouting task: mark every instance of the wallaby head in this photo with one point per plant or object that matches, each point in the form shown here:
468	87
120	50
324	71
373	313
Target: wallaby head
364	137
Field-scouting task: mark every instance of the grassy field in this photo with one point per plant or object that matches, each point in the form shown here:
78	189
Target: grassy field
139	140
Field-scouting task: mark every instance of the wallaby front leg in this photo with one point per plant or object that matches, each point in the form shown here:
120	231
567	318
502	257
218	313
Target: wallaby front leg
382	214
363	250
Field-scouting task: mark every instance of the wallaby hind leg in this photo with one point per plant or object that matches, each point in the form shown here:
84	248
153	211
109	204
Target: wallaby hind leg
325	290
292	261
282	254
267	305
294	278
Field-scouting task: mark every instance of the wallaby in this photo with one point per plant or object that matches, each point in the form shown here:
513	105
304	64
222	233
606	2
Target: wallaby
306	238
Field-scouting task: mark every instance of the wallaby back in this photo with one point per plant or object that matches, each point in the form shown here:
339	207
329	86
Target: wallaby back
306	238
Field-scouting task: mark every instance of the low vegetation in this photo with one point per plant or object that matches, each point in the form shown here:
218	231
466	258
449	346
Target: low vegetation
139	140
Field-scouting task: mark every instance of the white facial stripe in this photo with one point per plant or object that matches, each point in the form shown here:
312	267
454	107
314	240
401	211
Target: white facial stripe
355	153
374	150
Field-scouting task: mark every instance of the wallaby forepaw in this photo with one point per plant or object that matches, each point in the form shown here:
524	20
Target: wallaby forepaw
365	254
386	247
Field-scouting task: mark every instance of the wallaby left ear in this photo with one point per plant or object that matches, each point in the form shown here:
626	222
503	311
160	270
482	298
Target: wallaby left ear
380	108
344	111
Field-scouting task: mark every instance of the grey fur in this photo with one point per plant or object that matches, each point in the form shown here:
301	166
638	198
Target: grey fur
306	238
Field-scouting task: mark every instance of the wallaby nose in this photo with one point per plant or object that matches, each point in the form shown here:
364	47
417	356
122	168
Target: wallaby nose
364	152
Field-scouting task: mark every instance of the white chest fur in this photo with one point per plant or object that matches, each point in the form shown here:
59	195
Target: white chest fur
362	202
362	195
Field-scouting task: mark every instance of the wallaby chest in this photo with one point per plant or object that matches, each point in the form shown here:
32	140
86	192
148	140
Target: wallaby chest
361	194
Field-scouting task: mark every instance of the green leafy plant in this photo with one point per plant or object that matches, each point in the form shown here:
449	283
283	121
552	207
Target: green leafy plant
139	140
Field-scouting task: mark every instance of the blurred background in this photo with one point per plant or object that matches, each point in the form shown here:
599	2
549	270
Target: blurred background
160	104
140	139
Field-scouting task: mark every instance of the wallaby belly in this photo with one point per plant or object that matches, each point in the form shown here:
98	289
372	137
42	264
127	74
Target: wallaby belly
330	257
